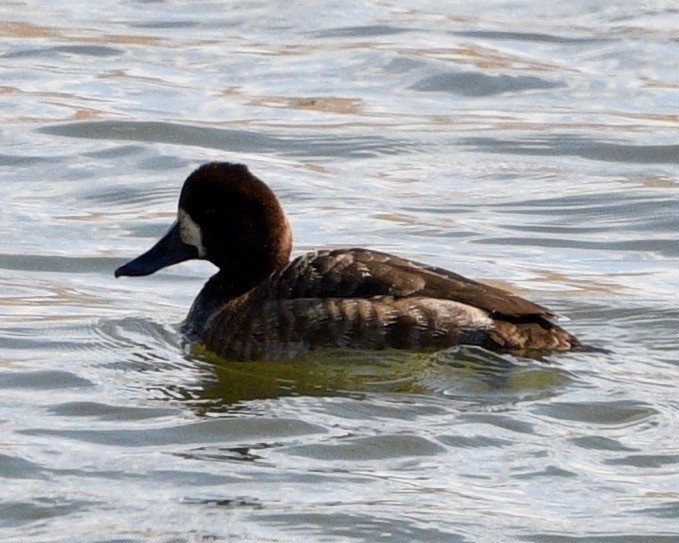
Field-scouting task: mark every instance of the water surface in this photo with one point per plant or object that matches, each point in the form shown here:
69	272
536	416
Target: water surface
530	145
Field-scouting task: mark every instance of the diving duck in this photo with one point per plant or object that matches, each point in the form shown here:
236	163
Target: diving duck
262	306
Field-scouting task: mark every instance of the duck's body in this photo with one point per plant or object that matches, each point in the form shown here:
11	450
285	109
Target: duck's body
261	306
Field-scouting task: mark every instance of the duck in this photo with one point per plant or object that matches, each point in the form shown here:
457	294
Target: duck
260	305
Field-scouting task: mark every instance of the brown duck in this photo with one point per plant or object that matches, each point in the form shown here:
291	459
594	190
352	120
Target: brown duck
260	305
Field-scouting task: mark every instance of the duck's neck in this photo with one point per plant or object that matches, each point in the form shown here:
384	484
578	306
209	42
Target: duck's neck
219	290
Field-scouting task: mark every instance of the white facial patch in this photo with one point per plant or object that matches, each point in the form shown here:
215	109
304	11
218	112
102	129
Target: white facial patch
190	232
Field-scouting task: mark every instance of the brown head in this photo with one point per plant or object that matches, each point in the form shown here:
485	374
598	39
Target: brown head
228	217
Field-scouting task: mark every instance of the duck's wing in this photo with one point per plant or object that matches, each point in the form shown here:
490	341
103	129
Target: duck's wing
360	273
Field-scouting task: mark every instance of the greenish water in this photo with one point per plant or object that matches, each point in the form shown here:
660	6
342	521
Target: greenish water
530	145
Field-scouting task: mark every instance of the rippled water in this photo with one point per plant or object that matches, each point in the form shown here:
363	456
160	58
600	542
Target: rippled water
528	144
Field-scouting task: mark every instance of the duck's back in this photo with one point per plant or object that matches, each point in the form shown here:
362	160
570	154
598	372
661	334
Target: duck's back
354	298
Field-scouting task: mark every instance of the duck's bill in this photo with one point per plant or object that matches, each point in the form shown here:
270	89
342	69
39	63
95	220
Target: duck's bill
169	250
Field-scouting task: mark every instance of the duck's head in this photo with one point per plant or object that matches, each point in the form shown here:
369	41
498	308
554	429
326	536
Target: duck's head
227	216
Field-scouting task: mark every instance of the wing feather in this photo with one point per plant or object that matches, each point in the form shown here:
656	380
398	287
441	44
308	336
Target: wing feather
360	273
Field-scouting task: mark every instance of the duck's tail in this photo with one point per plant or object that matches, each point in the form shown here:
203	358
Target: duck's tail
534	333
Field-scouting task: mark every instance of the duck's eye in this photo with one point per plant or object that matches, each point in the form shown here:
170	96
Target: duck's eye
190	232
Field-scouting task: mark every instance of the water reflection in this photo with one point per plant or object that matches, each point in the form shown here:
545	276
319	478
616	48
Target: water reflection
471	375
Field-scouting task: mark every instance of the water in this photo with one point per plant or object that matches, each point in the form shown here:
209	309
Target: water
528	144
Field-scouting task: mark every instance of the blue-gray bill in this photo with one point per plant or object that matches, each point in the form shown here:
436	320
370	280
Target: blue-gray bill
169	250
